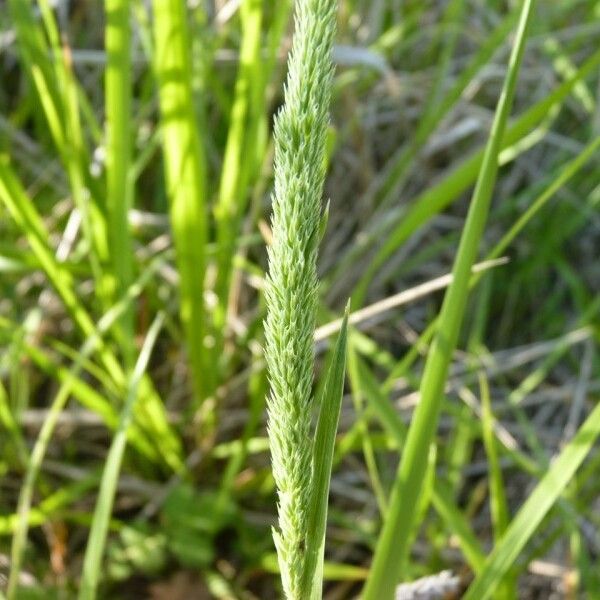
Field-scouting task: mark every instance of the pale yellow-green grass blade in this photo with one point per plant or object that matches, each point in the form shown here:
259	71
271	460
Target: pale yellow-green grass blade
242	150
185	171
48	64
119	189
28	219
71	385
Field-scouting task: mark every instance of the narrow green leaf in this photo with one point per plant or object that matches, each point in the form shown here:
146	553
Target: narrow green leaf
185	170
240	159
361	427
441	495
119	189
535	509
331	571
26	216
92	564
329	414
393	544
49	65
71	384
458	524
498	503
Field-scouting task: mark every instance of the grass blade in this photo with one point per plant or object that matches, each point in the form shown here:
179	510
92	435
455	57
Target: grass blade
498	503
535	509
441	495
49	65
92	564
118	84
241	157
185	172
392	548
329	414
566	173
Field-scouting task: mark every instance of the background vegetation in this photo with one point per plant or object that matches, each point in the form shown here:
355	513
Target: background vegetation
135	188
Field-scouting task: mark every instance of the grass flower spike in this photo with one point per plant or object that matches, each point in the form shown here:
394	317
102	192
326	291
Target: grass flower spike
300	137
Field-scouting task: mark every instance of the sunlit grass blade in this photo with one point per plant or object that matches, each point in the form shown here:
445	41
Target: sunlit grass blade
332	571
392	548
185	170
49	66
28	219
324	443
86	393
242	150
565	67
118	90
92	563
36	56
535	509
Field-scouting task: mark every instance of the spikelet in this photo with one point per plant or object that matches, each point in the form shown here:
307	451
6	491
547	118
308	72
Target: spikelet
291	292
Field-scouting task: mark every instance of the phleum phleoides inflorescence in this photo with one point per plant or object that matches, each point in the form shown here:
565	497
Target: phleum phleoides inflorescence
292	285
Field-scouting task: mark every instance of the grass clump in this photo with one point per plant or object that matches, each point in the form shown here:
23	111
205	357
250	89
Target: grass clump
136	181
